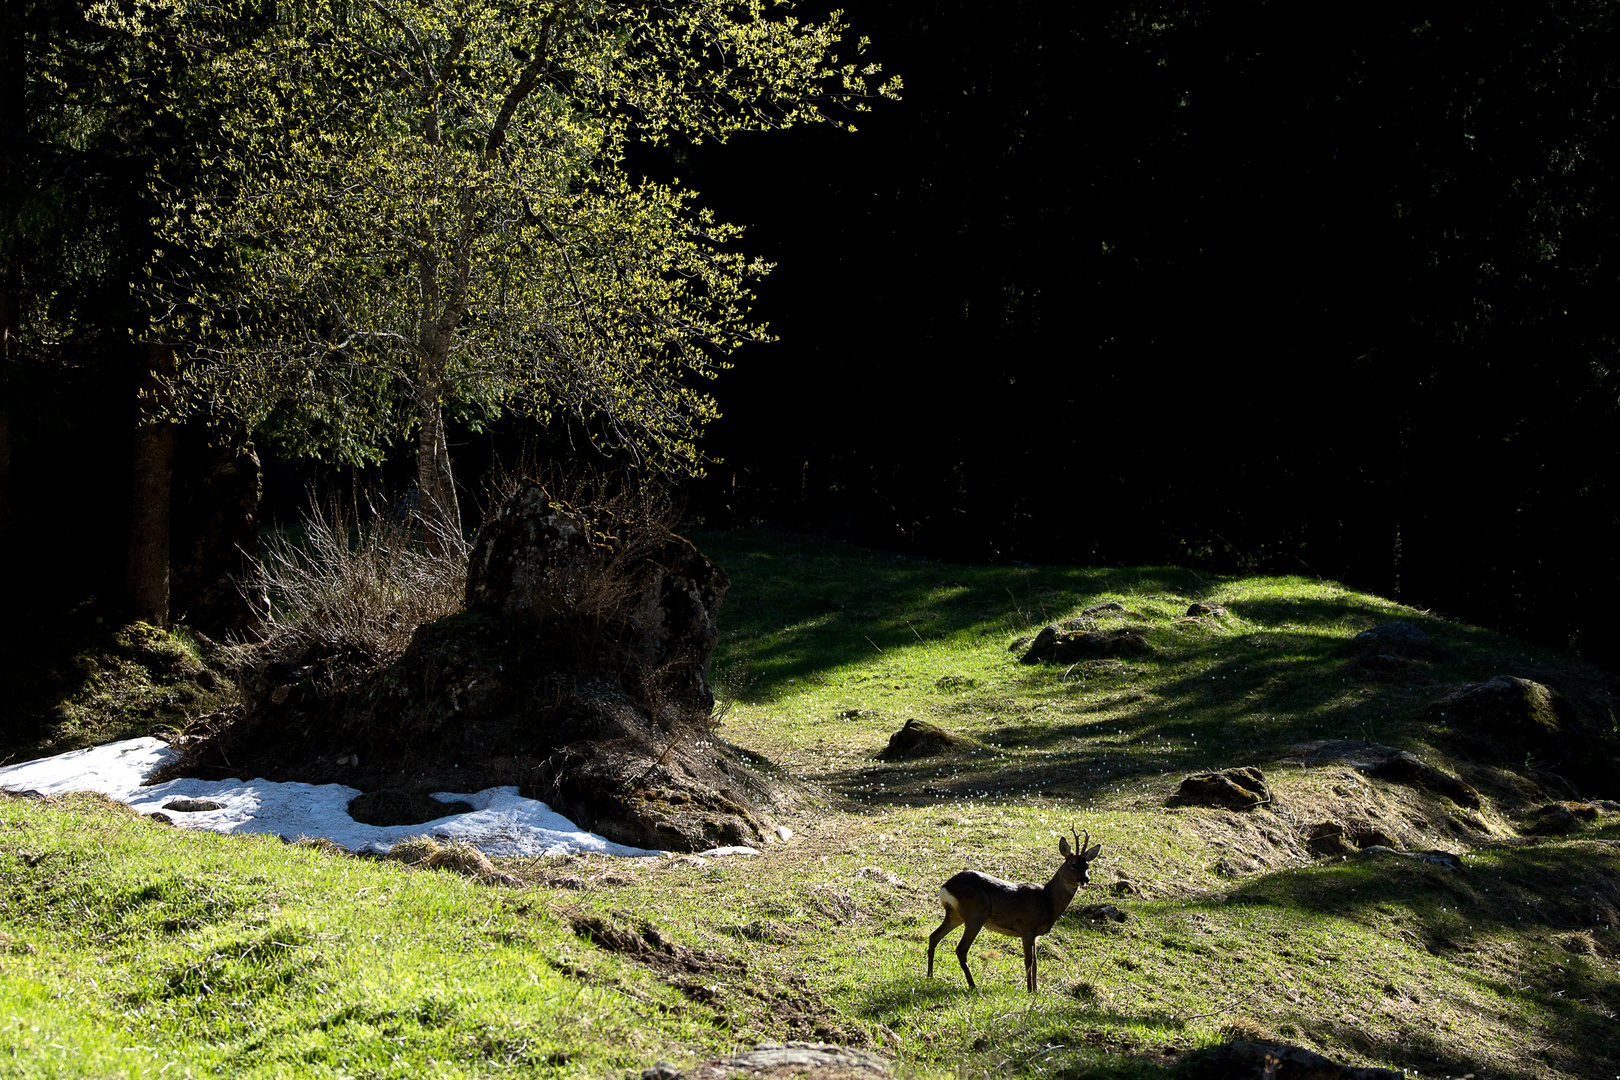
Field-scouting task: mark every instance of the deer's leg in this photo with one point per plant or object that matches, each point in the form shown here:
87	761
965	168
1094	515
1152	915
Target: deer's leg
968	935
1029	961
952	921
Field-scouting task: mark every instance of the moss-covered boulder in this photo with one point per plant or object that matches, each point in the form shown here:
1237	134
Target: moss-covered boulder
1509	719
919	738
1234	789
1054	645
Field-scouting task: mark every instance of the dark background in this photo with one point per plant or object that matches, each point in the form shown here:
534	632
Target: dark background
1243	287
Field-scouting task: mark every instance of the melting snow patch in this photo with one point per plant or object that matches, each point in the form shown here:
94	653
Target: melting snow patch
501	822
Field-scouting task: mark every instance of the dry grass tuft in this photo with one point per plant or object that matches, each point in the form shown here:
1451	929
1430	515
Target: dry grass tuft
359	590
413	851
426	853
463	859
322	843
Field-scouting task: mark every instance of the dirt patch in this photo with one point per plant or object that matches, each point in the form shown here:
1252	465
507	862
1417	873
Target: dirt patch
391	806
720	982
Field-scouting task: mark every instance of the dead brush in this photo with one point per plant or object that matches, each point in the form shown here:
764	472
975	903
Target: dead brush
425	853
356	590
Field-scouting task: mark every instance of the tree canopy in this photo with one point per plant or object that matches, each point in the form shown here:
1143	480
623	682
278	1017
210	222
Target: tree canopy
424	205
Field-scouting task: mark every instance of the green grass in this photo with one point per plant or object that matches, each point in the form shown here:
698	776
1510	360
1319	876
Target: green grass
134	950
76	675
130	946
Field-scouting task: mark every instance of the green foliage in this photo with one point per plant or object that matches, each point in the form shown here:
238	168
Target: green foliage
427	205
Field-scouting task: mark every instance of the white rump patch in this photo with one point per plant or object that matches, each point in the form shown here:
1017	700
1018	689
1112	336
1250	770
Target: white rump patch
946	898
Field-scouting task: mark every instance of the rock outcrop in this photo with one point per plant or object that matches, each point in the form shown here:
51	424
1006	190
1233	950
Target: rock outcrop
917	739
1234	789
1387	763
1508	718
1054	645
578	671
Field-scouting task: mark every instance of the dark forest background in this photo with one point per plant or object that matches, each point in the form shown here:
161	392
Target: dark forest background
1254	286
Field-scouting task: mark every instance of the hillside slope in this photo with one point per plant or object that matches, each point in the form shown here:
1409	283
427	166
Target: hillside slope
1450	912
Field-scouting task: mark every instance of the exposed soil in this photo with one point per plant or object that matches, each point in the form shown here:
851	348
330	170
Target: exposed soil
722	983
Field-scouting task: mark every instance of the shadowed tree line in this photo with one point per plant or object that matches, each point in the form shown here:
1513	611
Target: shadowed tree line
1238	286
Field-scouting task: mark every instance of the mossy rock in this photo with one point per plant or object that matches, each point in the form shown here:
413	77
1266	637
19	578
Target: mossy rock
1560	818
1057	646
1234	789
1506	718
919	739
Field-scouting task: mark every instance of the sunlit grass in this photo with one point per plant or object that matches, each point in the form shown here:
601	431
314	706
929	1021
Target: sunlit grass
140	951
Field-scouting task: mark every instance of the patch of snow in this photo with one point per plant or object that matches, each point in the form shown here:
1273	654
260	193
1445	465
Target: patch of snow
501	822
738	850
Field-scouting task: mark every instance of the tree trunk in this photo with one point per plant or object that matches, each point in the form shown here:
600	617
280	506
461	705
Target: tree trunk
146	573
10	344
440	511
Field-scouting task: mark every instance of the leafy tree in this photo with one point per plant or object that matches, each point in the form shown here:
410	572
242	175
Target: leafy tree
427	208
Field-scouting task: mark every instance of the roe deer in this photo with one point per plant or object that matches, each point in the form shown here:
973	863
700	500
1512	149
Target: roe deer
1016	909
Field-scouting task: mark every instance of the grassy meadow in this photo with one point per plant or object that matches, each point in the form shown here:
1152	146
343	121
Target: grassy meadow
130	949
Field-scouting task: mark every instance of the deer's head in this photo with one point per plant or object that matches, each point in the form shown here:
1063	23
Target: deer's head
1077	859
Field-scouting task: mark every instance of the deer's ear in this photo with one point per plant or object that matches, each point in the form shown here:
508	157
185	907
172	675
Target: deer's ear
1091	852
1063	846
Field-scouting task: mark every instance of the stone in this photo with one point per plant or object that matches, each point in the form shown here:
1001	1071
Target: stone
1448	859
799	1057
1199	608
1056	646
1404	768
917	739
1235	789
1399	630
1507	718
667	801
1365	834
1103	913
1560	818
1399	639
